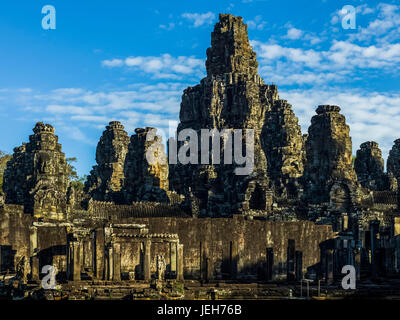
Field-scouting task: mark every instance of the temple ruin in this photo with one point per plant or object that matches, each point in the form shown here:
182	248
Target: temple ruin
304	211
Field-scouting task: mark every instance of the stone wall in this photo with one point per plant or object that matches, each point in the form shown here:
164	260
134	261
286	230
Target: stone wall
223	240
14	237
213	248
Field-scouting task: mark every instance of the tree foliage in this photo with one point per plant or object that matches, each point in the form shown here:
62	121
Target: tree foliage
353	159
71	170
77	182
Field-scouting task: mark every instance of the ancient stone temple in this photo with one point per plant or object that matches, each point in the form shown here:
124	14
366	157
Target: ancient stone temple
369	166
146	180
37	175
296	210
107	177
232	96
284	147
329	176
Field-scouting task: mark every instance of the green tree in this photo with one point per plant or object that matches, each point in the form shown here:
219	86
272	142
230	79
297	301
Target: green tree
4	158
71	170
77	182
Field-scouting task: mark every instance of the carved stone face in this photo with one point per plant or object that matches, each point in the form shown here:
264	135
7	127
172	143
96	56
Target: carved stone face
340	197
44	163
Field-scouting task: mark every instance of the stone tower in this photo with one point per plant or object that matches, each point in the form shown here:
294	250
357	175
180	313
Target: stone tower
37	175
369	166
231	96
329	175
144	180
393	162
107	177
283	145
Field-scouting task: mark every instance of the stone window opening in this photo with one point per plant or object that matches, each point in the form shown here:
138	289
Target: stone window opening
257	199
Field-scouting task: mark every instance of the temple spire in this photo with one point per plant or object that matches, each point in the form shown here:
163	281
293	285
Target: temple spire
230	50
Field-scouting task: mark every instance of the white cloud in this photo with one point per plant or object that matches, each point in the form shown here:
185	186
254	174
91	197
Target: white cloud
68	91
112	63
257	23
334	19
308	57
346	60
66	109
96	106
294	34
168	26
25	90
75	133
90	118
384	29
371	116
364	9
164	66
134	61
200	19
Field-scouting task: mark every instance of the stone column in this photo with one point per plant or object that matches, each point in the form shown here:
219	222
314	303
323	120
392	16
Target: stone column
290	265
299	265
33	242
147	260
357	262
70	255
397	253
110	263
179	262
396	226
172	257
35	269
345	221
76	275
374	230
269	264
116	261
396	243
203	260
329	265
208	274
389	260
98	254
234	259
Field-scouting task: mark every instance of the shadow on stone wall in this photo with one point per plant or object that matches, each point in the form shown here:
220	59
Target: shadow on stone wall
7	257
54	256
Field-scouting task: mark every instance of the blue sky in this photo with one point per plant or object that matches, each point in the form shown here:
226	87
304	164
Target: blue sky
130	61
